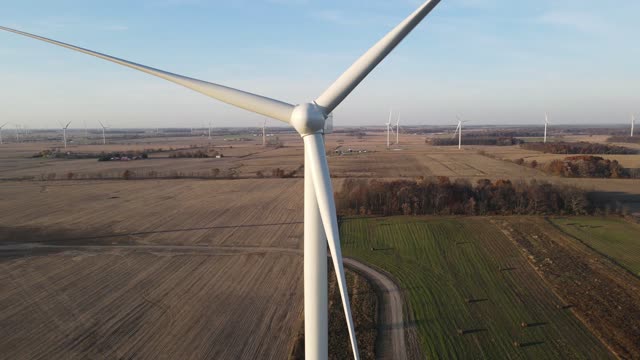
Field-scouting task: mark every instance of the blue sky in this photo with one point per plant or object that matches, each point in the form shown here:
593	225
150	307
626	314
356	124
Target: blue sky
492	61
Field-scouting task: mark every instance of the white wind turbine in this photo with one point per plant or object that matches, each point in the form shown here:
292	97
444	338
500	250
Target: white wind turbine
64	132
398	130
546	124
104	139
633	123
209	130
459	132
3	125
17	133
309	120
389	129
264	133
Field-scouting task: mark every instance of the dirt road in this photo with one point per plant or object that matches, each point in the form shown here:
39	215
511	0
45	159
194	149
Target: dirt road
391	325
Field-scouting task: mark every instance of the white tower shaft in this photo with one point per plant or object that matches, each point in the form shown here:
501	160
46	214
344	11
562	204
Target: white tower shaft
398	130
316	305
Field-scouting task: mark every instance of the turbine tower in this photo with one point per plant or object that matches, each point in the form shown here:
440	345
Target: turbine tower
633	123
264	133
3	125
398	130
459	132
104	139
546	124
17	133
309	120
209	130
389	129
64	132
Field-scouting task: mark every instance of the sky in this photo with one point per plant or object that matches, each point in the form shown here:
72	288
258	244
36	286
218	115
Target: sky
495	62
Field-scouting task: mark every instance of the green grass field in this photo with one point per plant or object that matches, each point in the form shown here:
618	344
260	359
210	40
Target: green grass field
464	275
613	237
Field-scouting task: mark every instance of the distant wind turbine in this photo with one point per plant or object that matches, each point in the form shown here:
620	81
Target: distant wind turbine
264	133
17	133
633	123
389	129
209	130
459	132
398	130
546	124
311	120
3	125
64	132
104	138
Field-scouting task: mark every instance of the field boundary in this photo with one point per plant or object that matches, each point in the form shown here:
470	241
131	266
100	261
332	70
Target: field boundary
611	259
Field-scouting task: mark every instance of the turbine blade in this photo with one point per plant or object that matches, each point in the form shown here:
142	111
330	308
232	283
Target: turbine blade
255	103
69	123
344	85
314	147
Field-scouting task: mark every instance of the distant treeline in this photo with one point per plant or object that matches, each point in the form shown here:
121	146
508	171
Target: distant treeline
198	154
476	140
120	156
578	148
625	139
442	196
590	167
58	154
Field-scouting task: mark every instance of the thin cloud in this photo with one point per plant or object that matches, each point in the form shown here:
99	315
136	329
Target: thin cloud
114	27
583	22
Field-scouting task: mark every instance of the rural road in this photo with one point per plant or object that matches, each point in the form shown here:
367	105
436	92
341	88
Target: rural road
392	322
391	328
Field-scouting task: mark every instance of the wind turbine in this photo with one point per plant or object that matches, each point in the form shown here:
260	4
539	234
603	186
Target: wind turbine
633	123
209	130
3	125
104	139
398	130
264	133
17	133
309	120
546	124
64	132
389	129
459	131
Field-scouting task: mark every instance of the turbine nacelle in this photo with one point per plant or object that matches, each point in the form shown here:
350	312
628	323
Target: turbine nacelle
308	119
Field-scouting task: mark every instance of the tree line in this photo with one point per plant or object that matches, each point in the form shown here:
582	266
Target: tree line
476	140
588	166
579	148
443	196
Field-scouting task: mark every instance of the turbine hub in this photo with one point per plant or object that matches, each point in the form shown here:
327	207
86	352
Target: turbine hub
308	119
